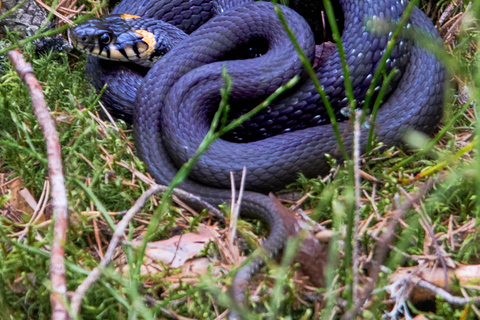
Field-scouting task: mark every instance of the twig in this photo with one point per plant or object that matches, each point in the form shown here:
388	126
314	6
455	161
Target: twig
192	199
54	11
381	248
447	296
55	173
117	235
233	213
236	203
358	203
109	116
425	221
196	201
317	226
406	285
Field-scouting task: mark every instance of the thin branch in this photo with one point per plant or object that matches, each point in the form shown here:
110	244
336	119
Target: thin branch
53	11
358	203
236	203
403	288
447	296
55	173
429	229
117	235
381	248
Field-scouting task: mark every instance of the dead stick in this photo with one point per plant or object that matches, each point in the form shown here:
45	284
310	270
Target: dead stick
55	173
381	249
358	204
447	296
117	235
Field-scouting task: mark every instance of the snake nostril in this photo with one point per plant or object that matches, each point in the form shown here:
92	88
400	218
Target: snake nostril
84	38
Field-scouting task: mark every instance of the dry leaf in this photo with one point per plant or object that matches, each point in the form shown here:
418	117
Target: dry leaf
177	250
312	254
22	200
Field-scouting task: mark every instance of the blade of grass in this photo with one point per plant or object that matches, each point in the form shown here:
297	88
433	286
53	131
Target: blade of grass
331	294
7	13
97	203
433	142
290	251
381	67
376	106
351	208
313	76
72	267
350	200
337	37
477	129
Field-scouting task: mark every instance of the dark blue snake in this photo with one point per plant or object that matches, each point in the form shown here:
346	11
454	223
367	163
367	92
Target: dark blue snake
174	103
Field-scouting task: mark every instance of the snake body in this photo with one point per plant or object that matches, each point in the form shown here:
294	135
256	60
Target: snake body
174	102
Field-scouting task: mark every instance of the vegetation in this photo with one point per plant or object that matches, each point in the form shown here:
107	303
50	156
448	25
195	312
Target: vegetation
104	178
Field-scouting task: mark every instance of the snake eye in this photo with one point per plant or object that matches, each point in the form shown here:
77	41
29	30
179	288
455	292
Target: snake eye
105	38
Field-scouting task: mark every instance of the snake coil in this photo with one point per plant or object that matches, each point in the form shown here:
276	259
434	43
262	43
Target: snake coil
173	104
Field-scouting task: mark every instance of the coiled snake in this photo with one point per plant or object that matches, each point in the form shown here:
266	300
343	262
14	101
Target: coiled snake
174	103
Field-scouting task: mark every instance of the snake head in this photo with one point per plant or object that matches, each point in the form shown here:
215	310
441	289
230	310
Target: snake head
127	38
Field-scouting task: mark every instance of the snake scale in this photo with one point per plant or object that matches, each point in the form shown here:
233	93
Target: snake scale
174	101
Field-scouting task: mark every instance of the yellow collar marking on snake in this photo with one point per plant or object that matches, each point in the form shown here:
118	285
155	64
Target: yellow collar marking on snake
129	16
148	45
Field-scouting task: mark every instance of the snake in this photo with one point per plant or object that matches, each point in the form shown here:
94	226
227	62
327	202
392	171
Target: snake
173	102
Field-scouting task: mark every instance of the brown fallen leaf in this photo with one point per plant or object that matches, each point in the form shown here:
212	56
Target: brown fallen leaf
178	249
312	255
22	200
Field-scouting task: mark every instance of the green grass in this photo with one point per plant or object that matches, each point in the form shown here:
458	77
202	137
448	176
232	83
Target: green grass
95	181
